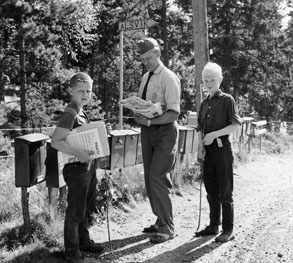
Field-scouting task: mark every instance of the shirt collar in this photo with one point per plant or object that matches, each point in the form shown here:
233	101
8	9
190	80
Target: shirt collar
159	68
217	94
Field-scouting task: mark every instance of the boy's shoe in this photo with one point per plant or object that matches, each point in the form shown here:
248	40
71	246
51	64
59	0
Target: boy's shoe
160	238
150	229
91	246
225	237
75	258
209	230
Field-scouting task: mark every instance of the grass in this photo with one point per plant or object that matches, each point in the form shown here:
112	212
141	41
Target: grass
125	187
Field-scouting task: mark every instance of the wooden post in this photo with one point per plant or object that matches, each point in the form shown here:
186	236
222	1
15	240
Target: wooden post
25	210
200	37
53	201
121	81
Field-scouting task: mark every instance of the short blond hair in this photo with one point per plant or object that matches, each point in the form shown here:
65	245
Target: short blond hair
80	77
213	68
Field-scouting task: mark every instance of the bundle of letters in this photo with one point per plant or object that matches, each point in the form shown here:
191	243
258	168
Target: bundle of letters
139	106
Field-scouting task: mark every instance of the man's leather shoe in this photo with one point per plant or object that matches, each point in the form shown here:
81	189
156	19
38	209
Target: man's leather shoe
224	237
151	229
91	246
209	230
160	238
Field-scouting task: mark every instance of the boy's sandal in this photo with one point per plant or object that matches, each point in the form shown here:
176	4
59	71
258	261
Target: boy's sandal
161	238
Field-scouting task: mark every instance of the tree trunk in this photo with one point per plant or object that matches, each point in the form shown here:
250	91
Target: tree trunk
164	33
201	50
22	75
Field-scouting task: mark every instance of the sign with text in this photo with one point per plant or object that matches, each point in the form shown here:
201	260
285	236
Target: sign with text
136	24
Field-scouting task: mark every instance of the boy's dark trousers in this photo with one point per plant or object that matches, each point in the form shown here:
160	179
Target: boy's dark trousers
218	180
81	181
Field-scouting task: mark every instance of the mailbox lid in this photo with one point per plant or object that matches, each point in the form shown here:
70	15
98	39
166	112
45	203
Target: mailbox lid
117	133
34	137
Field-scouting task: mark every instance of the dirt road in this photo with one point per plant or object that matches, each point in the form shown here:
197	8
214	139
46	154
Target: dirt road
263	217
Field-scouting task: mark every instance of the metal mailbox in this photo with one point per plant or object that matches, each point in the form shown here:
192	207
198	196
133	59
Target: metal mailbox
181	139
131	141
139	149
189	139
117	150
195	141
54	175
30	156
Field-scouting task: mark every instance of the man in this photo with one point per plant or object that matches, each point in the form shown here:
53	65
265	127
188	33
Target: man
217	118
159	137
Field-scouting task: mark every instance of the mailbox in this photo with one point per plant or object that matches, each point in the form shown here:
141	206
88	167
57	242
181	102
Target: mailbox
181	139
117	143
192	118
195	141
131	141
246	126
54	175
139	149
189	139
30	155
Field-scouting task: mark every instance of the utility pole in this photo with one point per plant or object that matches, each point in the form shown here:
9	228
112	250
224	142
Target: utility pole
201	45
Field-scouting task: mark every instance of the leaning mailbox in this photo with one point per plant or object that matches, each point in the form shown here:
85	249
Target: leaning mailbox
117	143
30	155
131	142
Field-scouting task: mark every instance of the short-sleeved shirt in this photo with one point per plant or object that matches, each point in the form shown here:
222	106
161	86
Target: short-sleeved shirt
217	112
163	87
72	117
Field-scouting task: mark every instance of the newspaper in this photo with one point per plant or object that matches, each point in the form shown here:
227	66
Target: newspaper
90	137
139	106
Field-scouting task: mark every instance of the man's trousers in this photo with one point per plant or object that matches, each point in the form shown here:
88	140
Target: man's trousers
159	147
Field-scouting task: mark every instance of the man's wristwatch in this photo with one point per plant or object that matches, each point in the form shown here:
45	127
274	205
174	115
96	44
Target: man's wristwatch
149	123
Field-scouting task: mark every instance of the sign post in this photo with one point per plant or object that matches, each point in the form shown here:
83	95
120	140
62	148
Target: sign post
124	26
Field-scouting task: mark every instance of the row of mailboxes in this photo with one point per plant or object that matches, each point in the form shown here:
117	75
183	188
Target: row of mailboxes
36	160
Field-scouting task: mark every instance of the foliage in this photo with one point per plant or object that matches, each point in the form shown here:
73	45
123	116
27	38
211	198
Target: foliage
62	36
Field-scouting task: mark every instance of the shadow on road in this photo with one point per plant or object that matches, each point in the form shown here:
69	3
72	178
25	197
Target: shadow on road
126	246
188	252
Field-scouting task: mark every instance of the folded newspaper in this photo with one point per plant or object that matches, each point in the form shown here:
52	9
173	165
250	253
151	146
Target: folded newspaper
139	106
90	137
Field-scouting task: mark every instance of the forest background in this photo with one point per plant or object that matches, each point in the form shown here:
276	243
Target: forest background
43	42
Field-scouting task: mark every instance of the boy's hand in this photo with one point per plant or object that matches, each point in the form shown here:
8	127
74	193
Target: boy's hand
201	153
209	138
84	156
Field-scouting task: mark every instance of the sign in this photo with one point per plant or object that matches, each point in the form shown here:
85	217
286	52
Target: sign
136	24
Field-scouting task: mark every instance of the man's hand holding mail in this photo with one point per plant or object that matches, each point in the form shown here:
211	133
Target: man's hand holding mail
147	109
